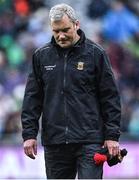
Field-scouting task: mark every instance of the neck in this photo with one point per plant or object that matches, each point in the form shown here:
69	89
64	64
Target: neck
76	39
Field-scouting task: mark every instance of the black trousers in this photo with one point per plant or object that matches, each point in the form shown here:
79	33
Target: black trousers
68	160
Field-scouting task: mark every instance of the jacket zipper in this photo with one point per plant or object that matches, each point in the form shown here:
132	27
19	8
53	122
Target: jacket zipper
64	87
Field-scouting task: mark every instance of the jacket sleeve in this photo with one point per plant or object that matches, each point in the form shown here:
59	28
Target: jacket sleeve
32	103
109	98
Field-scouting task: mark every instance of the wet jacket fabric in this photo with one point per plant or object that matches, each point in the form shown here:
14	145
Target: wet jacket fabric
74	93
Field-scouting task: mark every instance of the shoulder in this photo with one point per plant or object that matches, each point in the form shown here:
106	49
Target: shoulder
43	49
94	46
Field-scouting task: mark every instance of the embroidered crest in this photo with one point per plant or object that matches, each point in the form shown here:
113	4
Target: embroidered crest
80	65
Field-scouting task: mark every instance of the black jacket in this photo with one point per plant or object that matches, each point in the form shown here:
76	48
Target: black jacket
75	92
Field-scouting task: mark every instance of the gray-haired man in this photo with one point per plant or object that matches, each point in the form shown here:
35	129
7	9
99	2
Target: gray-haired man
72	86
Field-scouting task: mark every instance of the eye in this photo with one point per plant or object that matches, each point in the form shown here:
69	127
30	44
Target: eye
65	30
55	31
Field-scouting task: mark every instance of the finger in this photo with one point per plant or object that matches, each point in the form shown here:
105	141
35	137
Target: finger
115	151
110	151
35	149
29	152
31	156
26	150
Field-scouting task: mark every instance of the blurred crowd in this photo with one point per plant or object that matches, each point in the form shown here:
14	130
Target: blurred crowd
24	26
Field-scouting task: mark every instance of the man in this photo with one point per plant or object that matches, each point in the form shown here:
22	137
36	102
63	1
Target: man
72	86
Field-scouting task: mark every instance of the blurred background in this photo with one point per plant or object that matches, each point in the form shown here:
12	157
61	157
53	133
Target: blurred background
24	26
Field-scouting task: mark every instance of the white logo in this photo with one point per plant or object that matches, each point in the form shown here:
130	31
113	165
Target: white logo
50	68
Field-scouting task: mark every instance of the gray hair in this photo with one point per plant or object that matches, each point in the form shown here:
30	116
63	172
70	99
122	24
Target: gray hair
58	11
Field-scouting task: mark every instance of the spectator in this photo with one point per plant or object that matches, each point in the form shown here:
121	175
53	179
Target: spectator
119	24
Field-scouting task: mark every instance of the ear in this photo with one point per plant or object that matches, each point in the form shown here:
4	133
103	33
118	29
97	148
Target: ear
77	25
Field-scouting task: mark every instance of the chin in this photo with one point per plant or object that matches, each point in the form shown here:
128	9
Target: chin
64	46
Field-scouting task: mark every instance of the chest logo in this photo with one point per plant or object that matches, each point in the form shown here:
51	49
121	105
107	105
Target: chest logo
80	65
50	68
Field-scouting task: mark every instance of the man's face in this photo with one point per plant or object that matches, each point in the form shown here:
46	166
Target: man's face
65	31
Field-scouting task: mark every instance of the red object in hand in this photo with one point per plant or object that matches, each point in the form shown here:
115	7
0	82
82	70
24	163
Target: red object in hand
102	156
99	158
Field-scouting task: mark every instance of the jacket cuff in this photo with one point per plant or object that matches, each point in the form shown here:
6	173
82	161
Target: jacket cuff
29	137
112	138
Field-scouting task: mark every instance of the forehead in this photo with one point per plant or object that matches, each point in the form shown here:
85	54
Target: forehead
62	23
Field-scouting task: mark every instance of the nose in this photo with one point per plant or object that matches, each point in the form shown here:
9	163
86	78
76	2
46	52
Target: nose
61	35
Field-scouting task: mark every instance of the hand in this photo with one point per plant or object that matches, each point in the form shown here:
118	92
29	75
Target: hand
30	148
113	147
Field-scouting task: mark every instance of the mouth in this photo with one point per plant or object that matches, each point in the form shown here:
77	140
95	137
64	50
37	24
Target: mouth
62	41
